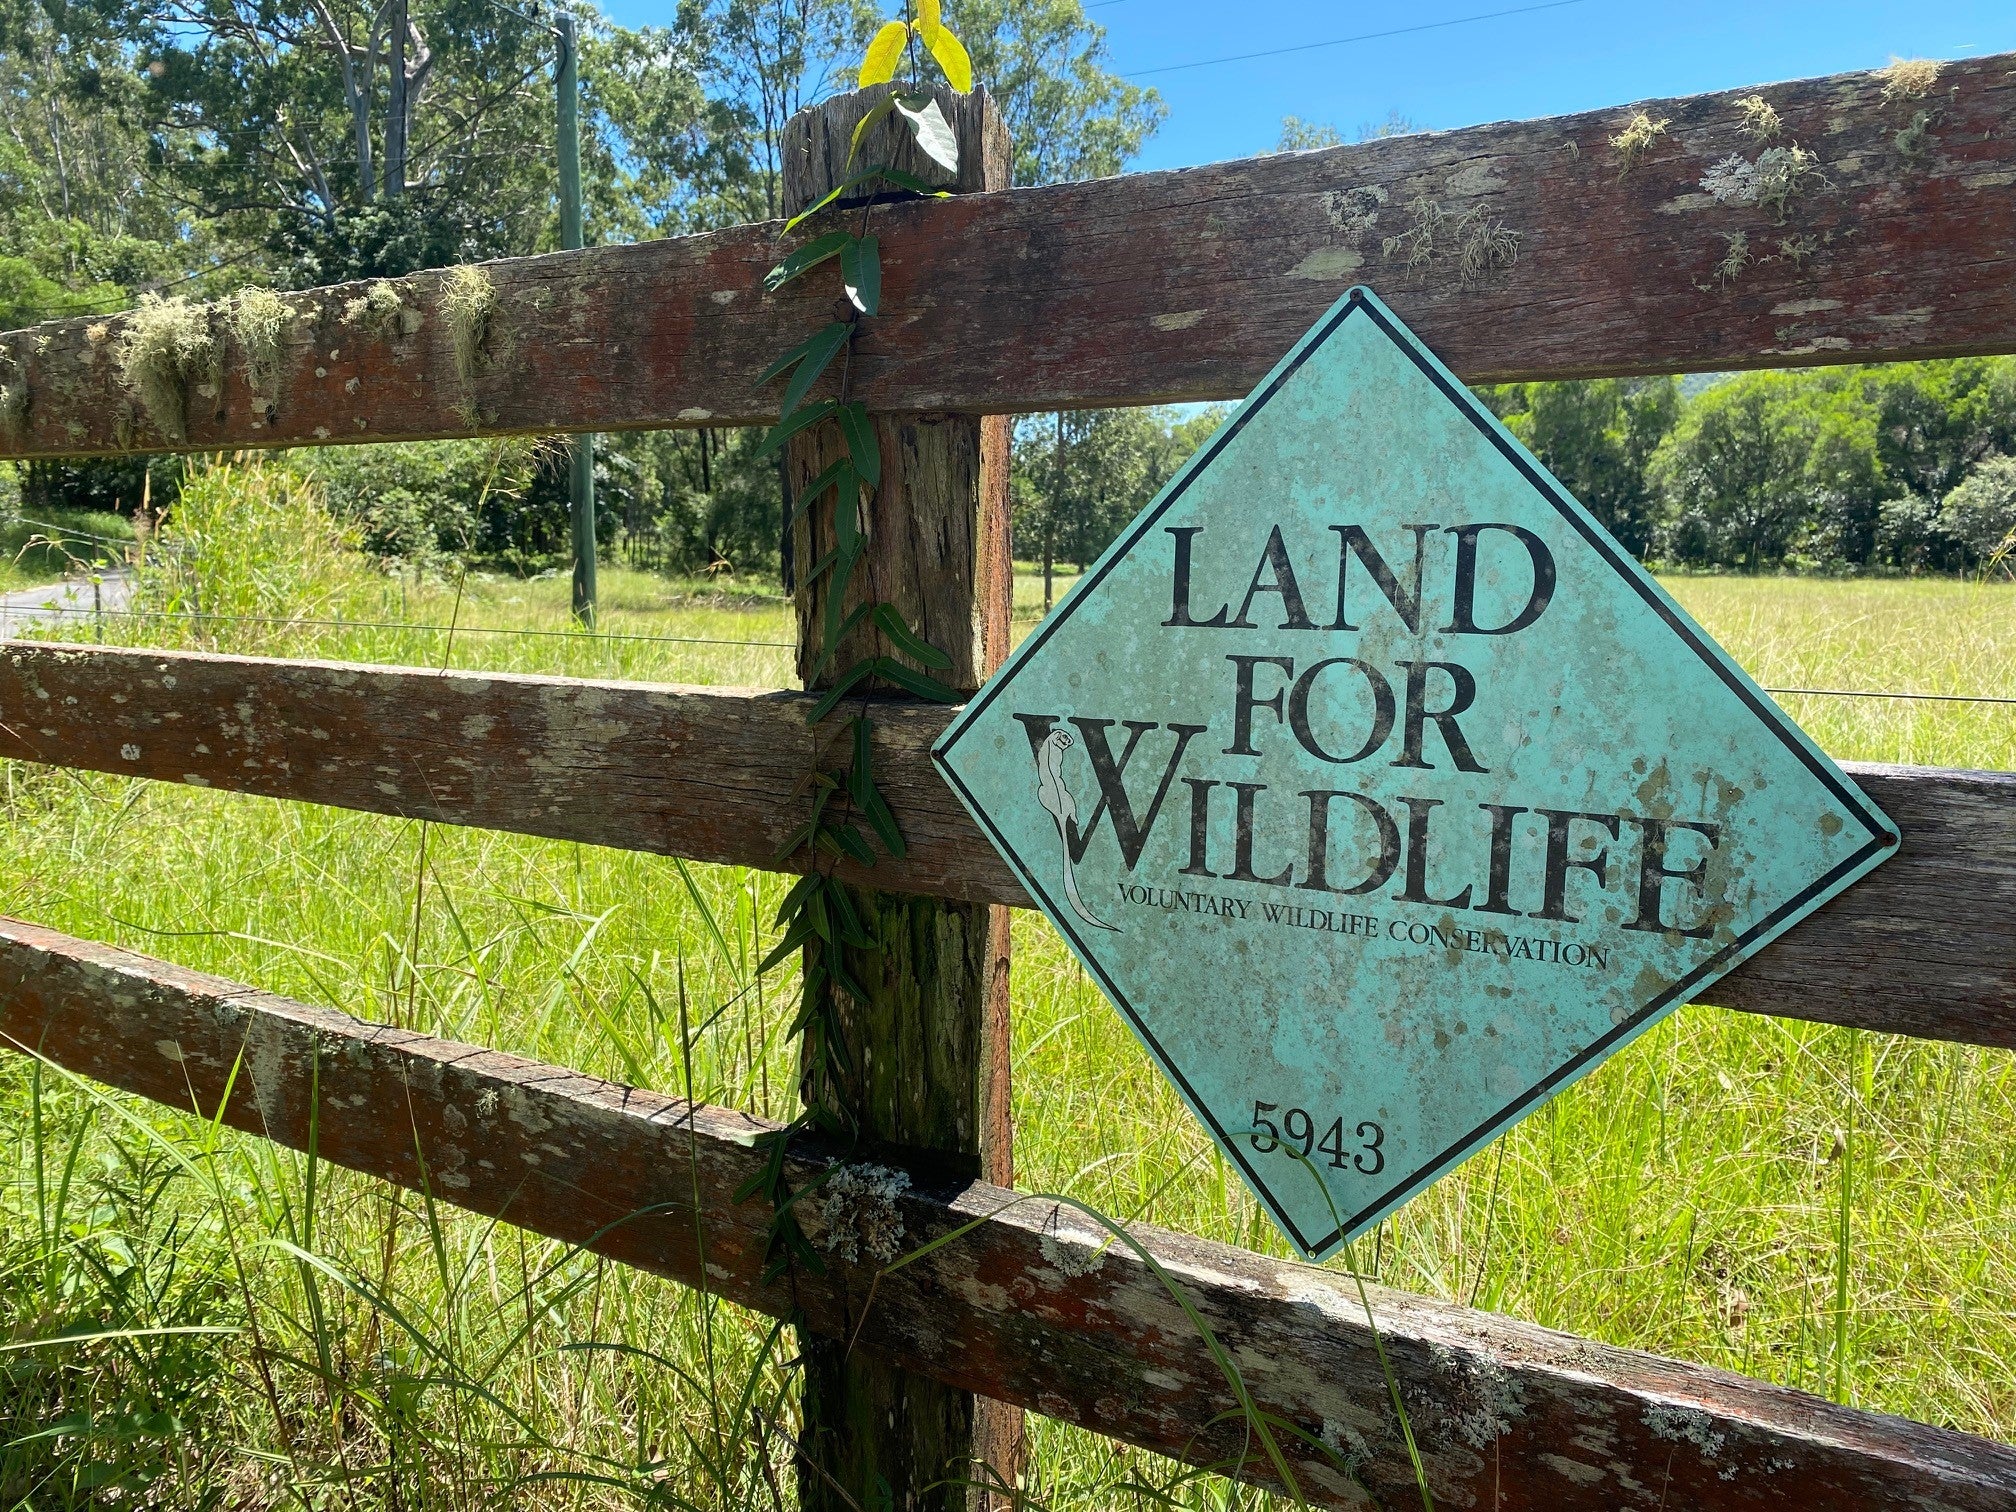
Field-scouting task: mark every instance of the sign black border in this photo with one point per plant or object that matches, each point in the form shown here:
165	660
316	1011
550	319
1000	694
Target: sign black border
1883	837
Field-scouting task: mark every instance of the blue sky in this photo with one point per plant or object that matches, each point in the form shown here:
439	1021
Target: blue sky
1578	56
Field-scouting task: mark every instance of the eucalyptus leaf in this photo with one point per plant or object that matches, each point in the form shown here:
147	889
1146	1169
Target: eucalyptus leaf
891	670
861	443
861	270
892	624
824	347
833	641
839	690
793	423
933	133
837	475
805	258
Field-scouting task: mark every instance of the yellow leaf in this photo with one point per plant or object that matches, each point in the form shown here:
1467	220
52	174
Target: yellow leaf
878	64
929	15
950	53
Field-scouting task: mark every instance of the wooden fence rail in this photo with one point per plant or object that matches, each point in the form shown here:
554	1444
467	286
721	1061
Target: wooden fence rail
1034	1306
1925	946
1535	249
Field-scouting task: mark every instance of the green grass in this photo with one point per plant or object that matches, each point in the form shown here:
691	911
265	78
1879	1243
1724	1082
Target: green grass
1830	1210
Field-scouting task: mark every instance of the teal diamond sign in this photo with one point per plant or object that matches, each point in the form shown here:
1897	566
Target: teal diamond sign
1382	791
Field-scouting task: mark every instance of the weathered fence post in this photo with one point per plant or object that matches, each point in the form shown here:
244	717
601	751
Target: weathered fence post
929	1053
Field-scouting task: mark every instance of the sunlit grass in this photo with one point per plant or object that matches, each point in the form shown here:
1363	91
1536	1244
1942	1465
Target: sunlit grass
1685	1198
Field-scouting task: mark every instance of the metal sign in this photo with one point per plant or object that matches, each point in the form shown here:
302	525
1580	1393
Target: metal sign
1382	791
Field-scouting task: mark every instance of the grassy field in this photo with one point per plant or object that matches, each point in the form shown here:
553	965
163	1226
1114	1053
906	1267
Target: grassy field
1814	1206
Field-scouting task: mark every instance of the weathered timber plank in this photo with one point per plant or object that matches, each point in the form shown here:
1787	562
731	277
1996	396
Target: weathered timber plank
1926	945
1027	1307
1898	239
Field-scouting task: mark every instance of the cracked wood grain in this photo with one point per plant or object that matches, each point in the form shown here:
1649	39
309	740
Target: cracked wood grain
1527	249
1925	945
1032	1306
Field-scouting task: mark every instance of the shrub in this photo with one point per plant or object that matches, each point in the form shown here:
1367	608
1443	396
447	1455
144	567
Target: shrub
1981	512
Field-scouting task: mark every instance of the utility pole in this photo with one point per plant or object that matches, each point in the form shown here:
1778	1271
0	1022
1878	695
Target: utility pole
581	471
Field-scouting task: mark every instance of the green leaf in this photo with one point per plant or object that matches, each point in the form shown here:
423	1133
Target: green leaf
876	810
894	671
847	522
839	475
815	910
861	271
932	130
861	443
833	641
847	917
793	423
799	932
879	111
838	691
805	258
851	842
859	782
797	353
795	898
822	566
836	592
892	624
823	348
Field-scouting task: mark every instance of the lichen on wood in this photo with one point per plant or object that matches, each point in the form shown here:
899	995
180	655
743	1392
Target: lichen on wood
259	320
1760	118
165	347
468	301
381	311
1770	182
1637	137
1909	78
1478	242
13	391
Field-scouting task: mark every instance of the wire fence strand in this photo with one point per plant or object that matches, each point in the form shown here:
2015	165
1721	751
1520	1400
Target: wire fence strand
286	621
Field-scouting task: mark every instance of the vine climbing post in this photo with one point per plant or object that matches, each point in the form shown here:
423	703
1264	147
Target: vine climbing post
926	1055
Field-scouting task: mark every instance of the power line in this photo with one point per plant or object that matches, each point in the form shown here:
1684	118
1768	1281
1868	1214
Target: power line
1989	698
1398	31
697	640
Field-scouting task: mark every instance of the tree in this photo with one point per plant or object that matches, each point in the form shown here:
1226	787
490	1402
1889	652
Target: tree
1981	512
1079	477
1070	115
1734	471
767	58
78	228
1597	438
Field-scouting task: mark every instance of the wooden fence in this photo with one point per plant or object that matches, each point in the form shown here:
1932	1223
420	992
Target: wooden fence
1900	241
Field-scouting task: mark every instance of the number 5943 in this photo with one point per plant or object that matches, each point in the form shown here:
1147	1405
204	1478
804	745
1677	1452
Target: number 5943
1295	1135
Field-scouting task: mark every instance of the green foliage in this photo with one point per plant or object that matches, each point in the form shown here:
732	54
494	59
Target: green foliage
254	539
1112	462
1981	513
1069	114
1597	438
428	502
